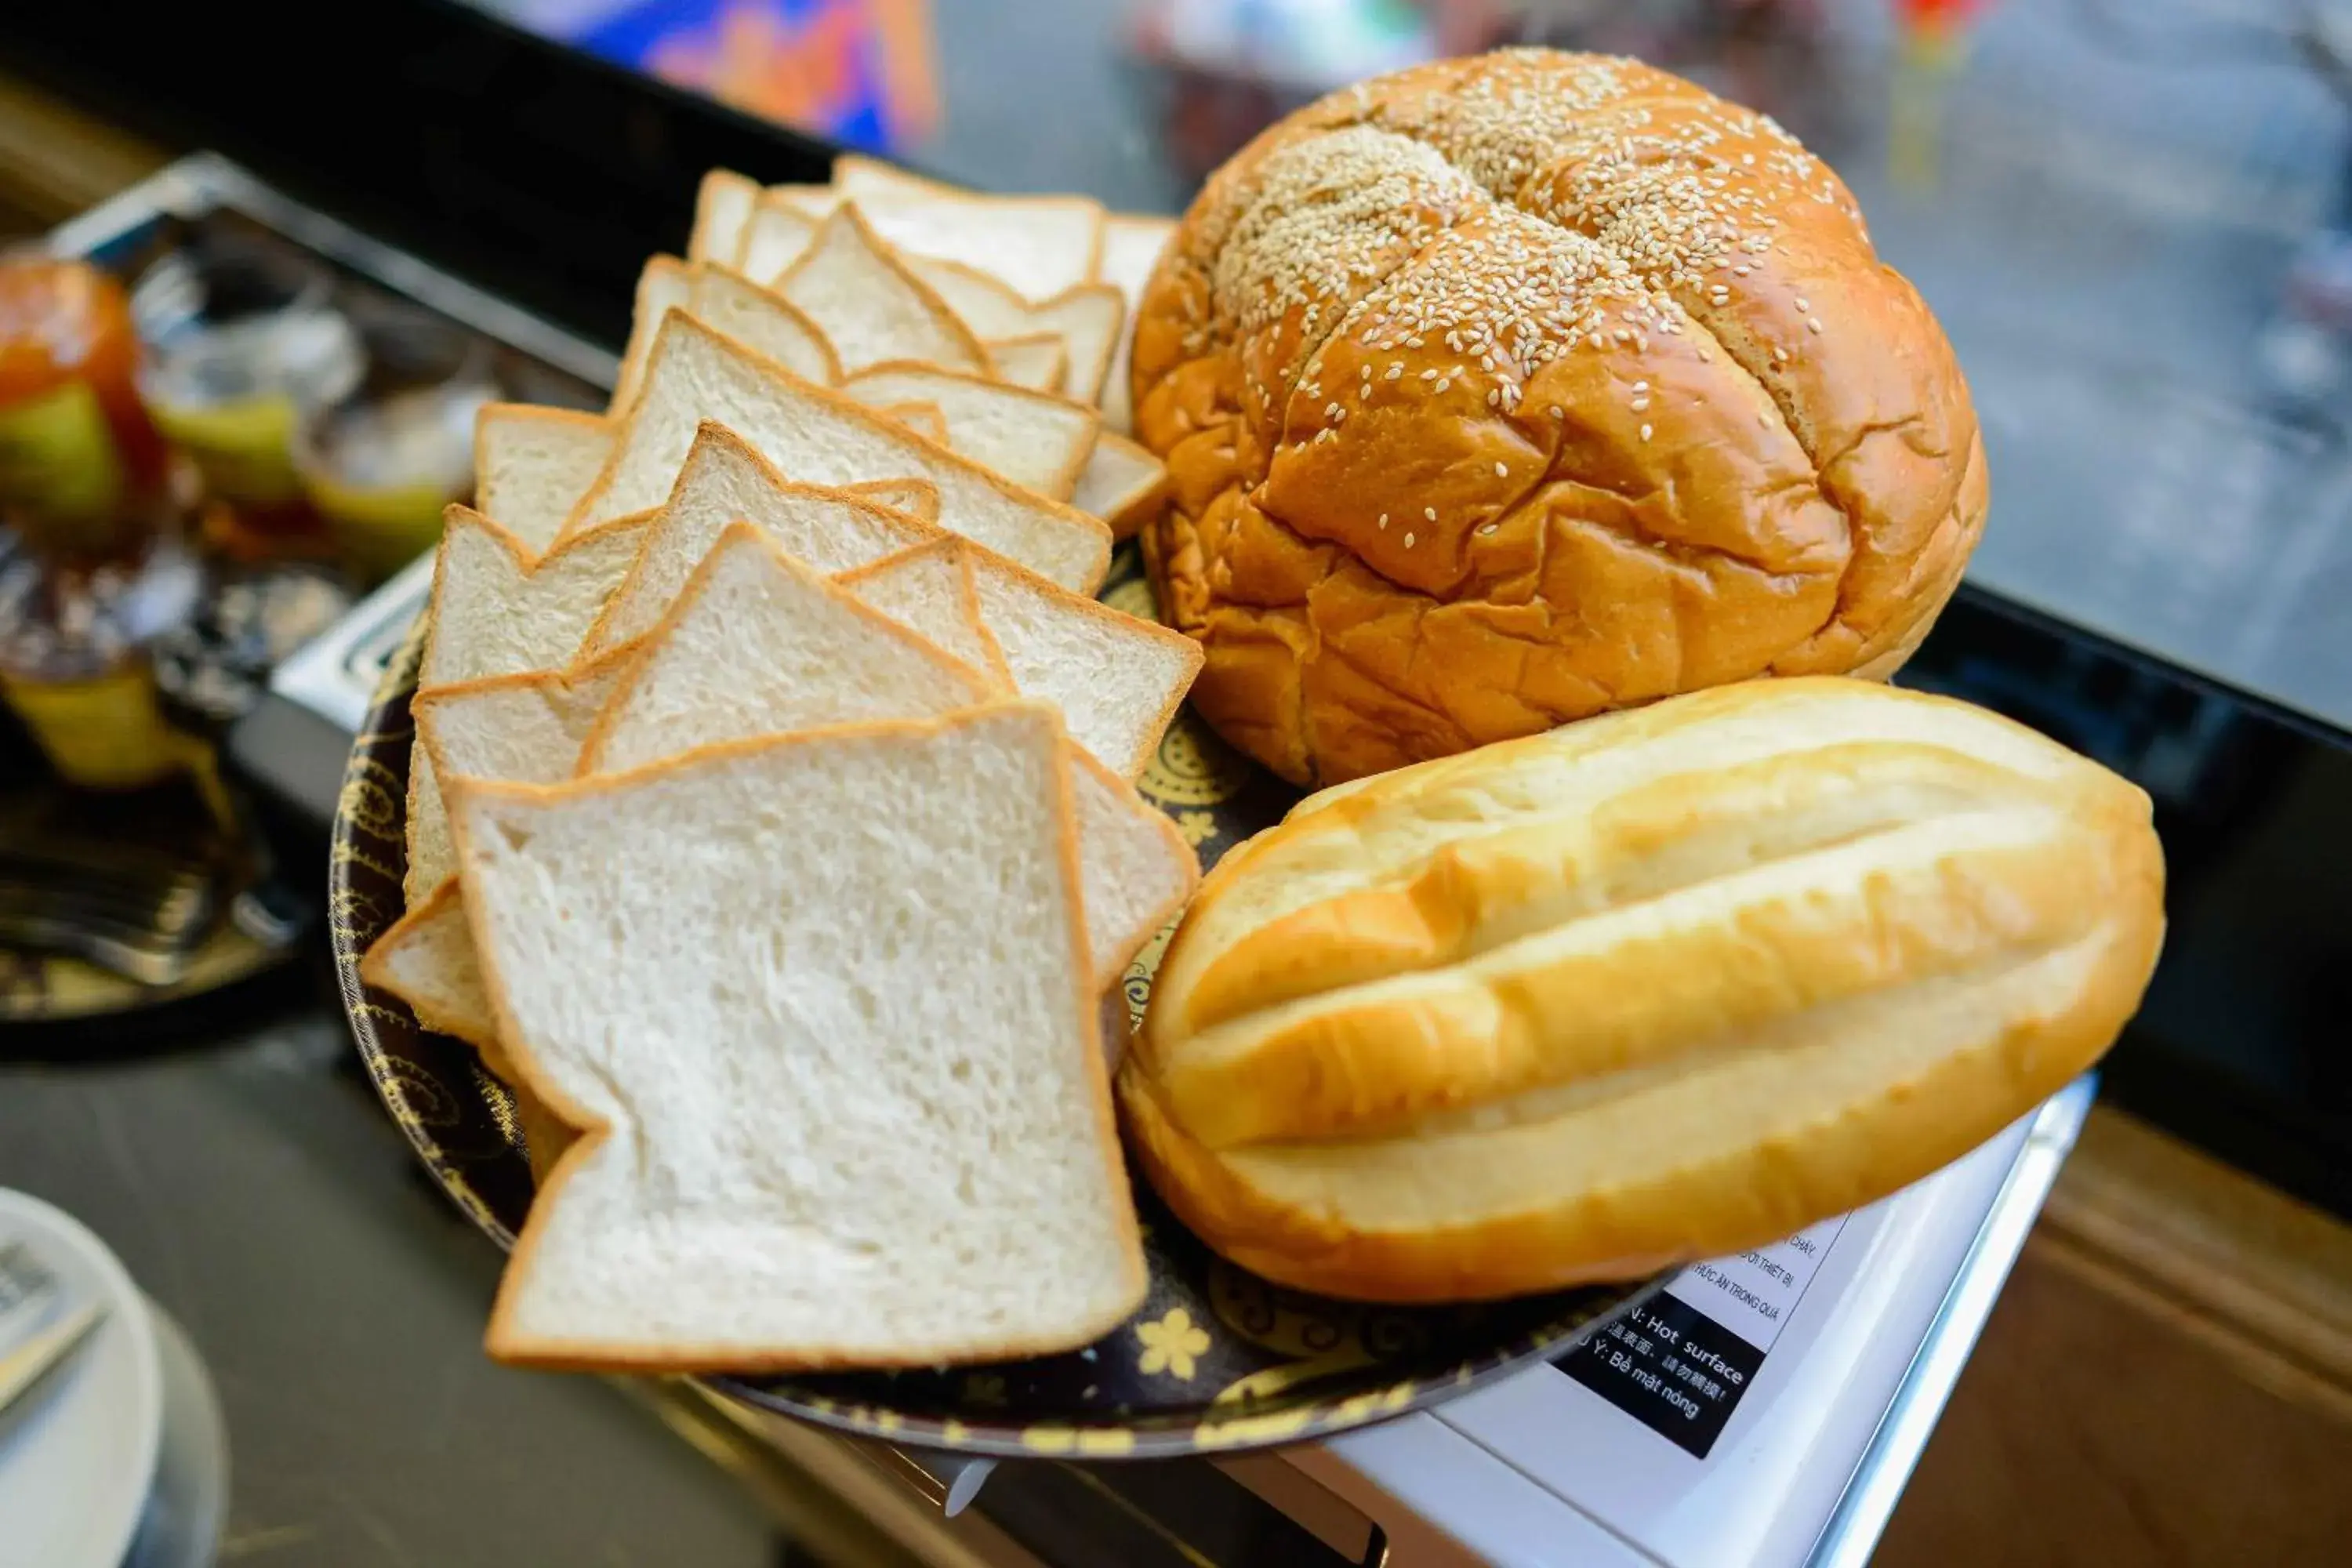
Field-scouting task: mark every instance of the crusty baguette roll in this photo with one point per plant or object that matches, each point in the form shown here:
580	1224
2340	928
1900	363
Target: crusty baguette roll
1657	987
1501	392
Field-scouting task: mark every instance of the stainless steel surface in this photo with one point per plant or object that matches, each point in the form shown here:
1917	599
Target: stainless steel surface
335	676
1851	1534
206	180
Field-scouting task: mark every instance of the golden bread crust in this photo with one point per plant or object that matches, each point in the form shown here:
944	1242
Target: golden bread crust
1502	392
1652	988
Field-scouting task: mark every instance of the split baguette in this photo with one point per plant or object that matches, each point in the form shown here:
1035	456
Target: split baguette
1654	988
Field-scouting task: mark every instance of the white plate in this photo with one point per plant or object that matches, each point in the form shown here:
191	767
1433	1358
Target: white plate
78	1455
190	1501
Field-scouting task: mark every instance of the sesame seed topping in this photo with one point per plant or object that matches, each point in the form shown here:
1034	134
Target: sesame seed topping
1488	527
1502	470
1536	206
1429	513
1384	519
1408	541
1327	213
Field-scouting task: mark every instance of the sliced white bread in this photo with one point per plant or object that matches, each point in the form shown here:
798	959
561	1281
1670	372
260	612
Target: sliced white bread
931	589
1123	484
1038	246
497	609
1131	249
916	498
870	306
531	466
1137	872
1117	680
664	284
722	207
724	482
780	230
815	201
1092	319
923	418
426	959
1032	438
836	1065
1034	360
758	643
817	436
763	320
1089	318
526	727
432	856
988	305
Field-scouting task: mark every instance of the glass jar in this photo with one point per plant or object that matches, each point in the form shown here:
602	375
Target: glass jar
81	465
91	571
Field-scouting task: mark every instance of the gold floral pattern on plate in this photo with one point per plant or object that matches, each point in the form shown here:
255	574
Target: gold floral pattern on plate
1171	1344
1215	1360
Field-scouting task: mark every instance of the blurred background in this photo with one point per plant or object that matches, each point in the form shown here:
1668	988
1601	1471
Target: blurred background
219	433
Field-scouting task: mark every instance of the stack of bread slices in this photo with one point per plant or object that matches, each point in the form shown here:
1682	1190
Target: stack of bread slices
770	829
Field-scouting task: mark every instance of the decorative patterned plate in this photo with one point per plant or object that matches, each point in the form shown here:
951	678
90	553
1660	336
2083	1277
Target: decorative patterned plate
1215	1360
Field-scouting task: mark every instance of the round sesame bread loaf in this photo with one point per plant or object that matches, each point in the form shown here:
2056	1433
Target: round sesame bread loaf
1501	392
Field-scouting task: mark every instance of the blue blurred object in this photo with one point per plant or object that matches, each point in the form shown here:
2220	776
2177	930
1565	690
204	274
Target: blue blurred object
1303	47
857	72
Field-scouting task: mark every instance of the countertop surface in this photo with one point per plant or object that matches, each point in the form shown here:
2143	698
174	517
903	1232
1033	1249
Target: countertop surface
258	1193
